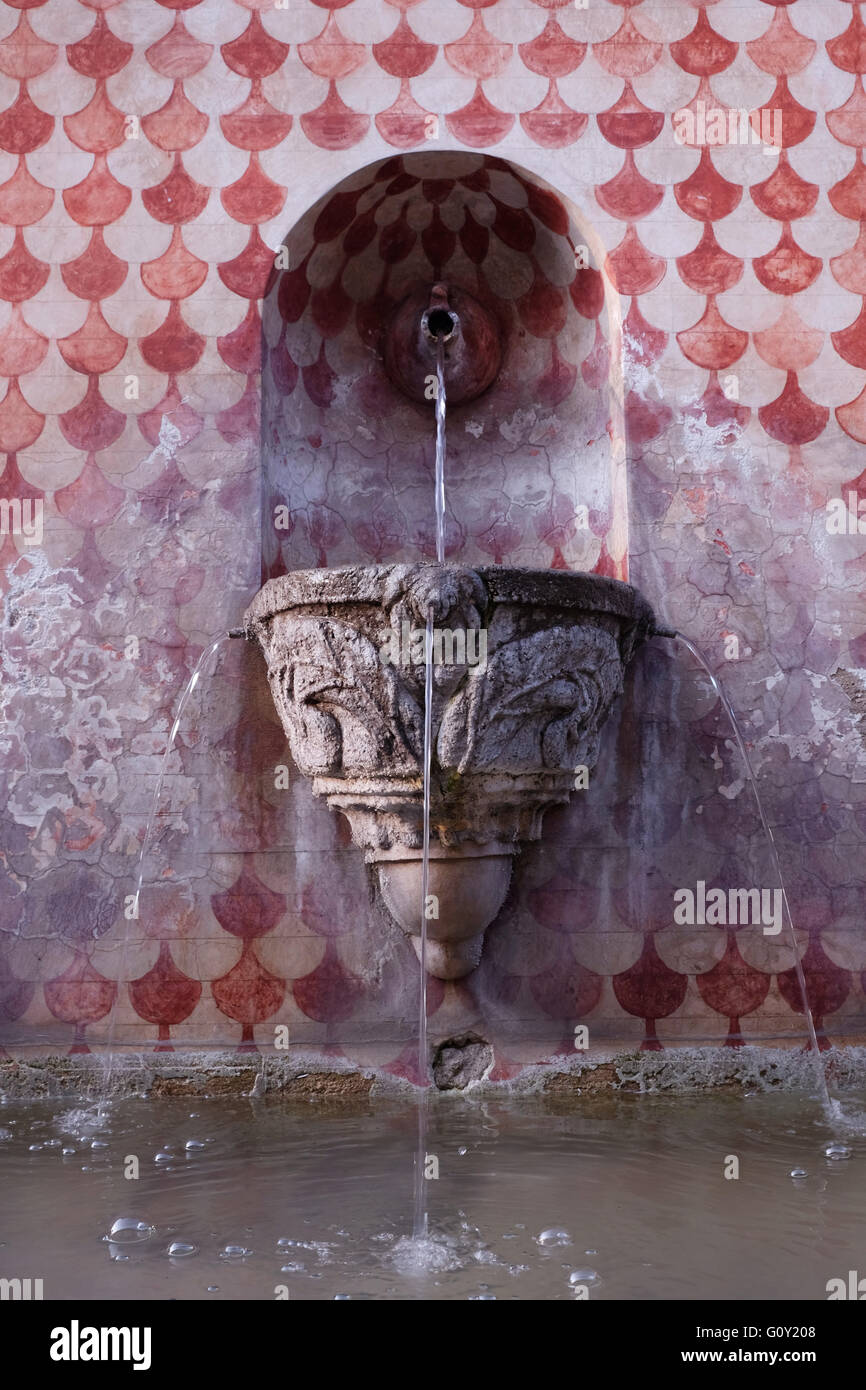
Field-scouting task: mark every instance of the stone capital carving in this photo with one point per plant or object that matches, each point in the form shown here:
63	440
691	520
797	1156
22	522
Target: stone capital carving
526	665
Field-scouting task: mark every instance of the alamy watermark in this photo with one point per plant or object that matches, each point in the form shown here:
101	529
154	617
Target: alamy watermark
20	1290
846	516
77	1343
739	907
854	1288
22	517
714	125
449	646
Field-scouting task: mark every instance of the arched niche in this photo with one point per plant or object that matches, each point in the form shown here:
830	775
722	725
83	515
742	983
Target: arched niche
535	467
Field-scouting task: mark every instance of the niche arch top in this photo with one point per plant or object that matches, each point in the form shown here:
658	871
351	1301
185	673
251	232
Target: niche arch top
535	471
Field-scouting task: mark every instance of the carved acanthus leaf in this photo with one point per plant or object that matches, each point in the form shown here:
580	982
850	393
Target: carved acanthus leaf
342	709
537	704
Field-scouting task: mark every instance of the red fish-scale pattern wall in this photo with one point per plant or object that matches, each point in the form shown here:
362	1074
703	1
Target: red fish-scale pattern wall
152	157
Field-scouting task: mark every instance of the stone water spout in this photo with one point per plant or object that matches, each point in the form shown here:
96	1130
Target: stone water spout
526	666
469	335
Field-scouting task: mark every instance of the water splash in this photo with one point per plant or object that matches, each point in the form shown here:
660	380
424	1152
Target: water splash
820	1073
425	1255
145	846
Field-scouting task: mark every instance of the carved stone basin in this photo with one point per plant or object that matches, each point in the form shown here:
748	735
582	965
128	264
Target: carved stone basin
526	665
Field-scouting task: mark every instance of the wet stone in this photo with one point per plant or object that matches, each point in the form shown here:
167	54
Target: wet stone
460	1061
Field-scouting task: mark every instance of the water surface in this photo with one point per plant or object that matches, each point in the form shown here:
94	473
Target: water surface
629	1193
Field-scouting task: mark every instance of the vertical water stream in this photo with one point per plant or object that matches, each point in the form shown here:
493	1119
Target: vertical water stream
420	1224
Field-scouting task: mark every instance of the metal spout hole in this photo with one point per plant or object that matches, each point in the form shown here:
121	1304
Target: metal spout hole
439	323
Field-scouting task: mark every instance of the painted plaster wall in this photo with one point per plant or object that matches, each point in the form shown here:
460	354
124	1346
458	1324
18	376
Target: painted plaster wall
155	153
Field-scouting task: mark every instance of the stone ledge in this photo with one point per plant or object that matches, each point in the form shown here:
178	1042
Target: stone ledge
683	1070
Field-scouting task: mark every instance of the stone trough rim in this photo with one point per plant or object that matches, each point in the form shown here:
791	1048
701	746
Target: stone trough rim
354	584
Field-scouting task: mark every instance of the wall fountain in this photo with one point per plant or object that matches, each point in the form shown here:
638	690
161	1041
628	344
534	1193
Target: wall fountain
526	666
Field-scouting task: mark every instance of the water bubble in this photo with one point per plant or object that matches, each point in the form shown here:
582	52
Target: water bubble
5	1134
295	1268
584	1276
554	1235
52	1144
163	1157
342	1297
98	1144
193	1144
213	1288
838	1151
34	1148
462	1150
128	1228
179	1248
234	1252
67	1153
482	1298
798	1173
